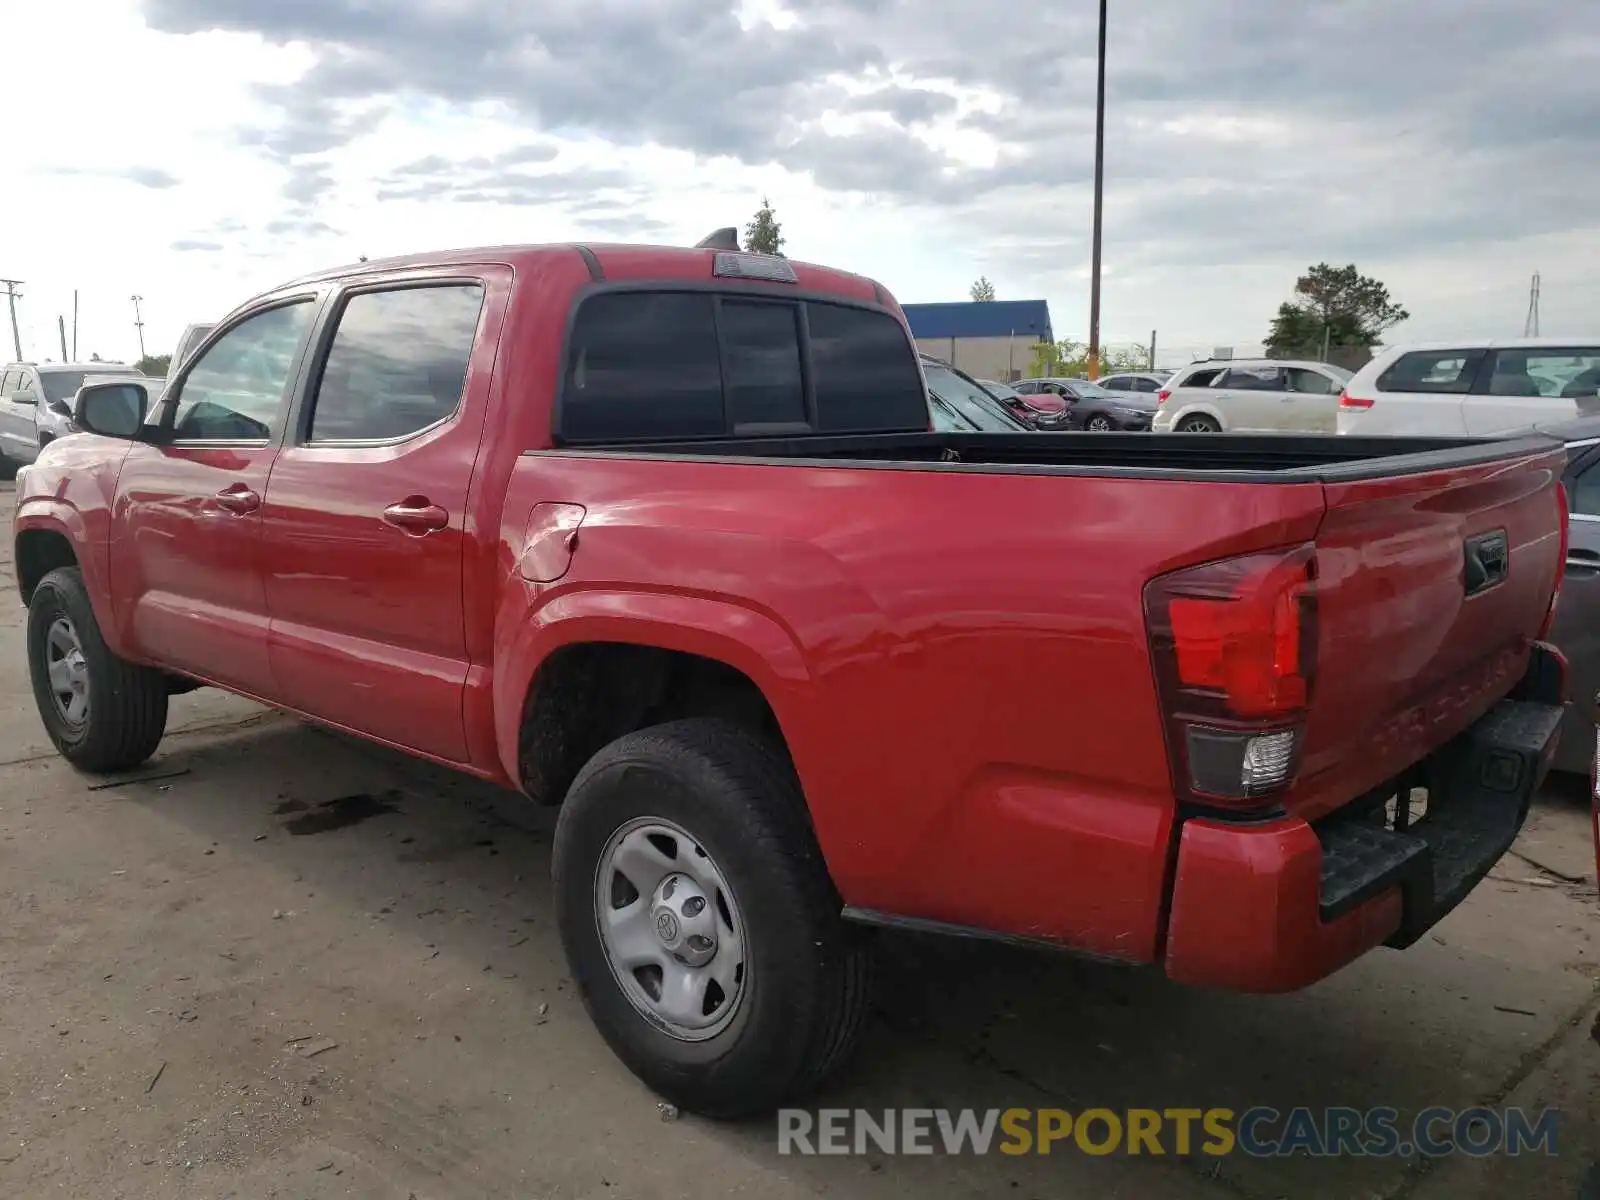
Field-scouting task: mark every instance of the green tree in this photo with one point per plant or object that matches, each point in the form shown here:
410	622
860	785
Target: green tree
982	290
1069	359
1332	307
154	365
764	235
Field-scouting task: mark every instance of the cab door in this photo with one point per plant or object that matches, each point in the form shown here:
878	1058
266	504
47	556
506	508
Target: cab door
365	515
1251	399
186	541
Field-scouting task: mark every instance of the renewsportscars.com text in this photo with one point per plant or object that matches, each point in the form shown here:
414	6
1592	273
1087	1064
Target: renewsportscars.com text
1257	1132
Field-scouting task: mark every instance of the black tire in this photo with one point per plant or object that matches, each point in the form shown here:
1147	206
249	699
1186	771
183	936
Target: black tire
126	714
808	972
1199	424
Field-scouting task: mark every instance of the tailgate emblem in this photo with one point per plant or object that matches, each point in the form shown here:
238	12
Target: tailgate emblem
1488	557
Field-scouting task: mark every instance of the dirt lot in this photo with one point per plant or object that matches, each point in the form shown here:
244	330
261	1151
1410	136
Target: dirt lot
282	964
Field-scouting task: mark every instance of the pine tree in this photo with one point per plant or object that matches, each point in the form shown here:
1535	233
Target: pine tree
764	235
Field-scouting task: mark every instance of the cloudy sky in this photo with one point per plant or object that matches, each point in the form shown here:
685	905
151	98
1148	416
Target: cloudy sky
197	151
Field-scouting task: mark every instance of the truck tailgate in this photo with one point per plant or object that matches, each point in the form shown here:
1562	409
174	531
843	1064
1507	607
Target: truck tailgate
1430	588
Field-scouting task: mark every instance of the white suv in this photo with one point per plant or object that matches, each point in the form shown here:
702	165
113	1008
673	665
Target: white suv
1473	388
36	403
1251	396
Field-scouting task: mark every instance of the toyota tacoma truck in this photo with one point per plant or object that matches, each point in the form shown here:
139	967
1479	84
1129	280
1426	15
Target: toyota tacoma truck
664	536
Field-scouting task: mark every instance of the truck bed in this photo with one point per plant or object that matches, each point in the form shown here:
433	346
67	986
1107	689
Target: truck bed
1262	458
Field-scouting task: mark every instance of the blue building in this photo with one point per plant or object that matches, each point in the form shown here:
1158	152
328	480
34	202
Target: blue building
988	339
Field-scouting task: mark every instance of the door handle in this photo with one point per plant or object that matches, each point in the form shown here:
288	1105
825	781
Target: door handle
417	516
238	499
1587	560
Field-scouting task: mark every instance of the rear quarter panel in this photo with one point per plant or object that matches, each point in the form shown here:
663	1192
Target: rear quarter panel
967	695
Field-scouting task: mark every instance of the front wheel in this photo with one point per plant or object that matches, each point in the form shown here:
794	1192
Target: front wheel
103	713
699	921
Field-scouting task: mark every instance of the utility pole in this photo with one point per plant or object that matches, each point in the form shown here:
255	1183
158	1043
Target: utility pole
74	324
1152	349
1530	326
1099	201
138	323
11	295
61	328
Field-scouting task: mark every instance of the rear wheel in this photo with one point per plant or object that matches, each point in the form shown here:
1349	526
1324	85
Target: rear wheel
1098	424
699	921
1199	424
102	712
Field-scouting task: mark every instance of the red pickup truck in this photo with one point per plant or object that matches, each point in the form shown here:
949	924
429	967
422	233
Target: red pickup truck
663	535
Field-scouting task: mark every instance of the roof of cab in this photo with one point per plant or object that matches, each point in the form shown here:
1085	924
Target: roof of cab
614	262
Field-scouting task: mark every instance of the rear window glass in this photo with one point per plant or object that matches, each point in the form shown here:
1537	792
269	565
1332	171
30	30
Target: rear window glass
762	370
1443	371
865	372
650	365
643	365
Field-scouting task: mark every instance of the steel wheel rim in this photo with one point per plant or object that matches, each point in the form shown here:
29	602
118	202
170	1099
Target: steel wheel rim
671	930
67	672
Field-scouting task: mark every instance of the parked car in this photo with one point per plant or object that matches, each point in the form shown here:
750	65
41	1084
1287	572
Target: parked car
1092	407
663	536
36	403
1251	396
1039	404
1476	388
961	404
1135	381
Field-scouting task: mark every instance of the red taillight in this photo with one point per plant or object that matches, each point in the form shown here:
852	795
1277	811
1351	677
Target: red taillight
1234	644
1346	400
1561	562
1163	396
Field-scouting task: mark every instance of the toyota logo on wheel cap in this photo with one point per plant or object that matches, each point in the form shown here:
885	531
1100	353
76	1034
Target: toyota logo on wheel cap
667	926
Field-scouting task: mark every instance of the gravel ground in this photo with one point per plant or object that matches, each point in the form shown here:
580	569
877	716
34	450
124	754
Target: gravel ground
278	963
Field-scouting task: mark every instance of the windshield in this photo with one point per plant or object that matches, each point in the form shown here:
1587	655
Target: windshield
1093	391
977	406
61	386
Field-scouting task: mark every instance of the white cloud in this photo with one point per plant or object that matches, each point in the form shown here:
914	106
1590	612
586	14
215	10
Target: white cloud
923	146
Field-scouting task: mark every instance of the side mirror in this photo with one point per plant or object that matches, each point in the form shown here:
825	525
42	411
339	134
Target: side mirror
24	396
111	409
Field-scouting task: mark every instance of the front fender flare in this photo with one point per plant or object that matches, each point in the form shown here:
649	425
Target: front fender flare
49	515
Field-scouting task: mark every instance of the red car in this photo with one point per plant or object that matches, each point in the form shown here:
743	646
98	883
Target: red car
663	536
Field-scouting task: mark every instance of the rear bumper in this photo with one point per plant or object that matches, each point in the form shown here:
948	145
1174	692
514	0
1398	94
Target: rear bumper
1276	906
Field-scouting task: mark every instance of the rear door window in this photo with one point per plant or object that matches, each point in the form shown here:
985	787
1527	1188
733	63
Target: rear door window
1313	383
1445	372
1203	378
398	363
1252	379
